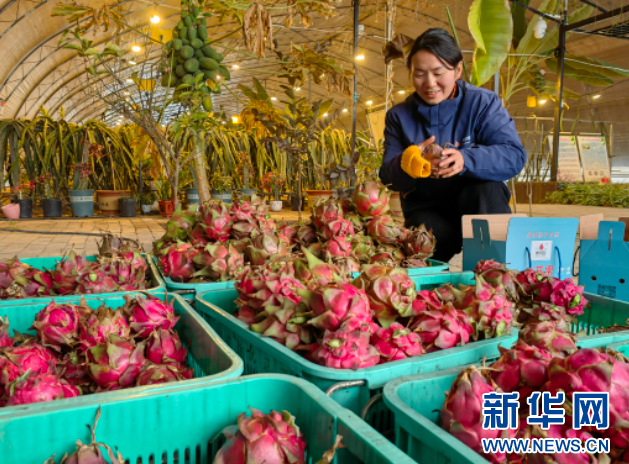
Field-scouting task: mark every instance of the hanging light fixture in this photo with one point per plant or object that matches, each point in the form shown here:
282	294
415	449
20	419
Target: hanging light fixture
136	48
531	101
155	19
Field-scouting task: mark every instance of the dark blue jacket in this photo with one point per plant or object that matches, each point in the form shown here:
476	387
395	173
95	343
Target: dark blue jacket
475	118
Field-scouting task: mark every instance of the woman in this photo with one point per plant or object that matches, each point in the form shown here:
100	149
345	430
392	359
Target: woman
483	149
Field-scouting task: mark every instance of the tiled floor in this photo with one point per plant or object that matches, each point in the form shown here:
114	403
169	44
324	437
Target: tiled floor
42	237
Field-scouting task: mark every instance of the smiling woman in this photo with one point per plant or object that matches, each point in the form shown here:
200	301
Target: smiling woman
463	130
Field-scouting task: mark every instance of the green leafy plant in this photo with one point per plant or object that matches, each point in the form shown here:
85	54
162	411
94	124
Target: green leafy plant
164	189
273	183
591	194
145	198
222	183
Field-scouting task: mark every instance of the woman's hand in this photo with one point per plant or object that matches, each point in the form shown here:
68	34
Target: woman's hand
452	165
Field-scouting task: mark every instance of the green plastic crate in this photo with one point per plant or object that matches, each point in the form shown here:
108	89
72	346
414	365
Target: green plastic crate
434	267
352	389
165	427
209	356
157	283
416	401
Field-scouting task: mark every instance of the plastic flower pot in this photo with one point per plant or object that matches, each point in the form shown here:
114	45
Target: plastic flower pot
166	207
82	202
127	207
26	207
276	205
294	200
192	196
146	209
51	207
11	211
108	201
225	197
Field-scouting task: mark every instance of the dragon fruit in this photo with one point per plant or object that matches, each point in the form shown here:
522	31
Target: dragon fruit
339	228
427	299
262	438
362	247
325	212
153	374
215	215
267	285
346	349
384	229
244	229
316	249
499	277
57	325
165	347
347	266
244	207
39	387
462	414
6	280
180	224
285	323
73	369
177	261
371	199
442	328
523	369
338	305
287	232
116	363
316	272
17	360
19	280
96	281
397	342
357	221
596	370
217	262
198	237
98	325
489	312
337	247
391	292
264	247
546	312
129	268
532	283
66	272
306	234
265	224
565	293
5	339
148	313
387	254
549	338
420	243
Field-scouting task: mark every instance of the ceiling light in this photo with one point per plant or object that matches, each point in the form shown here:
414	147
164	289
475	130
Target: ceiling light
132	62
541	102
325	115
322	75
155	19
235	119
360	57
345	110
273	98
218	78
223	122
235	66
127	93
297	89
369	102
401	92
129	81
596	96
136	48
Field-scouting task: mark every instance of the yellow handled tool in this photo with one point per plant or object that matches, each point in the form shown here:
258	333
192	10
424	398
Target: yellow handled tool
414	164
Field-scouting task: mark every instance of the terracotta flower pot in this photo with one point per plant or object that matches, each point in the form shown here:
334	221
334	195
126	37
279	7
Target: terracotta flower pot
166	207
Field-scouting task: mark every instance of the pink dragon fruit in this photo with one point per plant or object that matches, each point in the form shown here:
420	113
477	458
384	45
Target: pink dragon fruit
357	221
262	438
164	347
547	337
245	207
339	228
397	342
73	369
442	328
6	280
338	305
523	369
346	349
371	199
498	276
337	247
362	247
325	212
116	363
215	215
565	293
384	229
153	374
462	413
489	312
96	281
288	232
427	299
420	243
148	313
180	224
5	339
66	273
391	292
387	254
177	261
98	325
267	285
17	360
57	325
546	312
316	272
198	236
39	387
534	285
19	280
285	323
266	247
596	370
306	234
218	262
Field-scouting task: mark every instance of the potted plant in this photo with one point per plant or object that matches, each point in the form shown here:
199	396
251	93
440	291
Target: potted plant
273	182
146	200
107	199
165	201
82	198
49	188
26	203
127	206
222	187
244	167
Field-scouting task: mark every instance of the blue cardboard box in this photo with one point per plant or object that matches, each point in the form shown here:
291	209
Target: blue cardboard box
544	244
604	256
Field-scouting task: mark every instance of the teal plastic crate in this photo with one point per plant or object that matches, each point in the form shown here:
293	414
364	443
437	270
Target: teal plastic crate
416	401
209	356
157	283
179	426
434	267
355	390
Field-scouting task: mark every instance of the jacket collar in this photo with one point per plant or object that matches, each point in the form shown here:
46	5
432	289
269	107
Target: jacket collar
441	113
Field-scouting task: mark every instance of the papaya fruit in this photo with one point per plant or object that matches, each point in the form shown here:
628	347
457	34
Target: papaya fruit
191	65
223	71
208	63
187	21
184	13
195	11
180	70
210	74
175	33
180	25
199	54
183	33
207	103
168	80
211	53
196	43
192	32
186	52
188	79
180	60
204	89
202	32
177	44
185	42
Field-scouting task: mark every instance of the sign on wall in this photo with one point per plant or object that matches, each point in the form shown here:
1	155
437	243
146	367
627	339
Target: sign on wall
569	166
594	157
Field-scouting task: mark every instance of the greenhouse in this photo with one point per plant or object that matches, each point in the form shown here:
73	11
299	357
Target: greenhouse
314	232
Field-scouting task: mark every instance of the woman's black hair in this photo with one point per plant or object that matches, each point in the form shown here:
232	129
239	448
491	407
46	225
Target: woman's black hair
441	44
